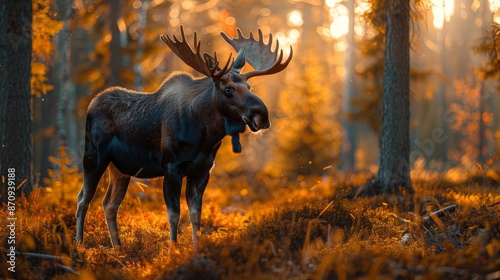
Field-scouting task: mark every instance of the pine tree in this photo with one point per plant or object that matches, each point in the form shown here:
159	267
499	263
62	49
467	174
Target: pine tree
489	45
307	139
394	169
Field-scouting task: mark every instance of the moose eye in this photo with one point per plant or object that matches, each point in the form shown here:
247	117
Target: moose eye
228	92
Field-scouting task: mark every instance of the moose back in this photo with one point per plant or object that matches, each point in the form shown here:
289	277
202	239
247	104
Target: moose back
174	132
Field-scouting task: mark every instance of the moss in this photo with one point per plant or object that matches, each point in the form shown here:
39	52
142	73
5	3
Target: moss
306	228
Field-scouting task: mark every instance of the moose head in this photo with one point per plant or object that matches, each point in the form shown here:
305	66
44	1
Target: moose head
236	101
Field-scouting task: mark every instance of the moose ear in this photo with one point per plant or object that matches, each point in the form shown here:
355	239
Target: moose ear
239	62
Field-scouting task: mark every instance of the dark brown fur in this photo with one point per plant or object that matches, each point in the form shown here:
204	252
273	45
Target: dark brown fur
174	132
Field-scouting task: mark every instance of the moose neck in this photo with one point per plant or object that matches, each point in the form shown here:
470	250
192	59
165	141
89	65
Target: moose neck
217	125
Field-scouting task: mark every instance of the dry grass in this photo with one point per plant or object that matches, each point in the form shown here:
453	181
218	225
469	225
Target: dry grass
262	228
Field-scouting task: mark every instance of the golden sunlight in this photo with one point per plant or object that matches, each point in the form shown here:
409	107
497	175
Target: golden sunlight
340	21
286	40
332	3
294	18
442	10
495	8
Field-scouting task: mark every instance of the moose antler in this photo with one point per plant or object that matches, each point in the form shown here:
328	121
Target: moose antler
204	64
258	54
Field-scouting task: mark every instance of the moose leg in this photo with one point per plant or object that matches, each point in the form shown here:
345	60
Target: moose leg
172	194
118	185
194	196
92	173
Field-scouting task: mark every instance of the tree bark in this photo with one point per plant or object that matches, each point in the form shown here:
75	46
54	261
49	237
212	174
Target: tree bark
16	148
66	122
394	171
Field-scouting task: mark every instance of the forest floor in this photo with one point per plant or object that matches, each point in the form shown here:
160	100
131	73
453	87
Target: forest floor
305	228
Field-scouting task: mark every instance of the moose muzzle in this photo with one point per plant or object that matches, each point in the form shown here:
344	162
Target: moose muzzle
257	115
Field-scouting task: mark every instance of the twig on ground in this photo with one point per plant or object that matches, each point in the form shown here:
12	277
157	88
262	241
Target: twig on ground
324	209
494	204
48	257
401	219
67	269
426	221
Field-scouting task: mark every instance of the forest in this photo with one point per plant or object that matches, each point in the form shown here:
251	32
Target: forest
370	149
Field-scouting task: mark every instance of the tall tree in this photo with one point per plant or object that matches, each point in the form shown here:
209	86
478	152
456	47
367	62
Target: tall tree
142	14
45	84
489	46
442	88
394	169
16	149
300	148
115	50
349	140
66	122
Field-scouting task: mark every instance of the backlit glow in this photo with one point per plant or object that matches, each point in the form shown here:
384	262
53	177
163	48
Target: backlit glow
442	10
294	18
340	21
495	8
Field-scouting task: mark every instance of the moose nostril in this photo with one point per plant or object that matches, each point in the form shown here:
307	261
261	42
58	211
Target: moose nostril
257	112
261	121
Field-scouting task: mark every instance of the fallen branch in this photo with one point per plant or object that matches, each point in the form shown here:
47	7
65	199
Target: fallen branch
401	219
324	210
494	204
48	257
426	221
67	269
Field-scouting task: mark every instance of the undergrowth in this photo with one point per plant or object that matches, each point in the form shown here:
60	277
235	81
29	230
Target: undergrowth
263	228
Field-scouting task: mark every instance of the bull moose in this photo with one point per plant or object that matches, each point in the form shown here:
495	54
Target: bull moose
174	132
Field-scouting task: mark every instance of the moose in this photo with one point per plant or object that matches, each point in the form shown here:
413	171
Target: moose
174	132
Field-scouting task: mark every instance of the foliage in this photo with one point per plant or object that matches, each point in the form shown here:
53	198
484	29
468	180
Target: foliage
64	173
372	49
489	45
307	139
130	53
465	119
43	29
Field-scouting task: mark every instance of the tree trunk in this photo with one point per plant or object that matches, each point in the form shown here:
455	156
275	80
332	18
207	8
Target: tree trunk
48	144
349	139
16	148
394	170
482	148
65	121
441	94
115	60
483	99
143	13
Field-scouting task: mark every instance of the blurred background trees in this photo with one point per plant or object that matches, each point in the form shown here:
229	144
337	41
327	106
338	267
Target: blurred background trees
325	108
